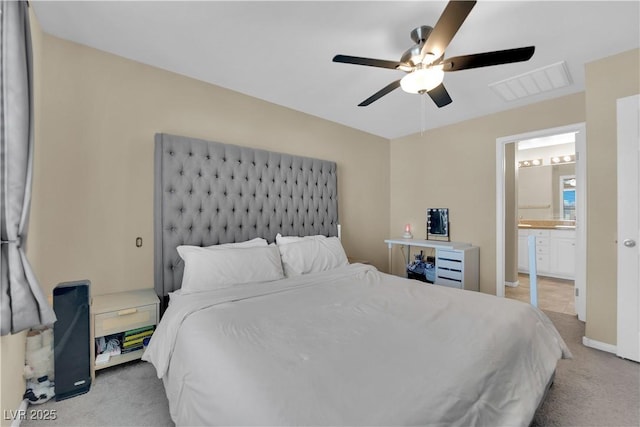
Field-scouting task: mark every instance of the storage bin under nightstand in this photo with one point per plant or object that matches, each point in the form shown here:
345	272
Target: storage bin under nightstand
121	312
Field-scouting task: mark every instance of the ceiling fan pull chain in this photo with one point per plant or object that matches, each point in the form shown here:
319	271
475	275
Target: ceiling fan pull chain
423	112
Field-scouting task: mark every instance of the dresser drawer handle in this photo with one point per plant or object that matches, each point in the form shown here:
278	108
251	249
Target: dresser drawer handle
127	311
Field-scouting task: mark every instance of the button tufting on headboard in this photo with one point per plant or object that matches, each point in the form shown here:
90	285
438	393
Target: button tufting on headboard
209	193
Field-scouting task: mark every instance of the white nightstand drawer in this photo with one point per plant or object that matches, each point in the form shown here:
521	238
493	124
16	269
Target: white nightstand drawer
444	254
442	281
125	319
449	274
450	265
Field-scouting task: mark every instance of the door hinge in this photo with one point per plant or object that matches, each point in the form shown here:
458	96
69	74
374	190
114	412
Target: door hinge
577	292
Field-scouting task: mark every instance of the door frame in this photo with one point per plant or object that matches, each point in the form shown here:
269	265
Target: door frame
581	207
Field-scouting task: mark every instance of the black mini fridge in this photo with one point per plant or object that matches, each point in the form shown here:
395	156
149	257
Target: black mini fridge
71	339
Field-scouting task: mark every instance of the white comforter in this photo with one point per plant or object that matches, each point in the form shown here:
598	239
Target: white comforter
352	346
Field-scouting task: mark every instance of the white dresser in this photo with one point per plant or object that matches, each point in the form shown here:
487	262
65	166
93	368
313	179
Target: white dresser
457	264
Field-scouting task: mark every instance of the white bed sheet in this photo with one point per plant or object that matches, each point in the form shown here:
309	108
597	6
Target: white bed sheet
353	346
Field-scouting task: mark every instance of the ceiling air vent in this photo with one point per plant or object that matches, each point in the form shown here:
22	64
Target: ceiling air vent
545	79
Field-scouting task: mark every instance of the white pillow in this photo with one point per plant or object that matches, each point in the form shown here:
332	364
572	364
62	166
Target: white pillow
285	240
258	241
312	255
206	269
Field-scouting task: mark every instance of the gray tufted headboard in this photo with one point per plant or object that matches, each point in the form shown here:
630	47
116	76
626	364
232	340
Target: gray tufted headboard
207	193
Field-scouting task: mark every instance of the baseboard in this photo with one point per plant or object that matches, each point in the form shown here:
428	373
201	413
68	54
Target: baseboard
512	284
609	348
20	414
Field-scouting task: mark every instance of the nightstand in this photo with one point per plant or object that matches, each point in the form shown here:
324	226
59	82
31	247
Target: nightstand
120	312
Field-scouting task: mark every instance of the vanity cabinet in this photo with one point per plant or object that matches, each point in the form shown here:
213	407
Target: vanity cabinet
555	252
562	251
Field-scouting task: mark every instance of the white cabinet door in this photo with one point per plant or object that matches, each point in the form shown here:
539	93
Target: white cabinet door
523	253
562	251
563	256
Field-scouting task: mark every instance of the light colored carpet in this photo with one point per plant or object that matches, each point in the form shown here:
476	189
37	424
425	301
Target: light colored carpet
593	389
125	395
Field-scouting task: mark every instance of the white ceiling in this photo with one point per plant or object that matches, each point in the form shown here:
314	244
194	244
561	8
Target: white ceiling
281	51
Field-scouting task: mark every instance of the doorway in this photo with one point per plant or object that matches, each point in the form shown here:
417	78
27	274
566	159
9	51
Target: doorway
554	294
555	216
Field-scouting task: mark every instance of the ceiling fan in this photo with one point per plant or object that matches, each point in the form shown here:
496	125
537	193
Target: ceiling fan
425	63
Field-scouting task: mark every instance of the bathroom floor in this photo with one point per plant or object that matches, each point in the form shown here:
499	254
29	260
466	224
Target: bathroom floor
553	294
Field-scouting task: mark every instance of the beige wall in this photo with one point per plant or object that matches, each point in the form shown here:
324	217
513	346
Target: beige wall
93	185
455	167
608	79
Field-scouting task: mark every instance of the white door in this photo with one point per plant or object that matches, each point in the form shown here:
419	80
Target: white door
628	345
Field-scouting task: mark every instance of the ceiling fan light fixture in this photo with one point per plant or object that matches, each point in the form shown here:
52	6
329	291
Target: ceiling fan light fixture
405	67
428	58
422	80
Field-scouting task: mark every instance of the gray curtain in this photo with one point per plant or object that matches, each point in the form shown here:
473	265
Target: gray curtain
22	302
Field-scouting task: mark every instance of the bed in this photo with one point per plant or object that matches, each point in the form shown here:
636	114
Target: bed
266	329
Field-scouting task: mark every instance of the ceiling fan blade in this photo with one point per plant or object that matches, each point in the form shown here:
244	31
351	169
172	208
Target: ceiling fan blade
379	94
488	58
381	63
447	26
440	96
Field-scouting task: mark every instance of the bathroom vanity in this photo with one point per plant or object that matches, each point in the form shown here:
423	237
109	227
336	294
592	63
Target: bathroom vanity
555	249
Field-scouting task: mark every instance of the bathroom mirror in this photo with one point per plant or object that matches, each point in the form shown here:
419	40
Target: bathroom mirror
438	224
547	192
